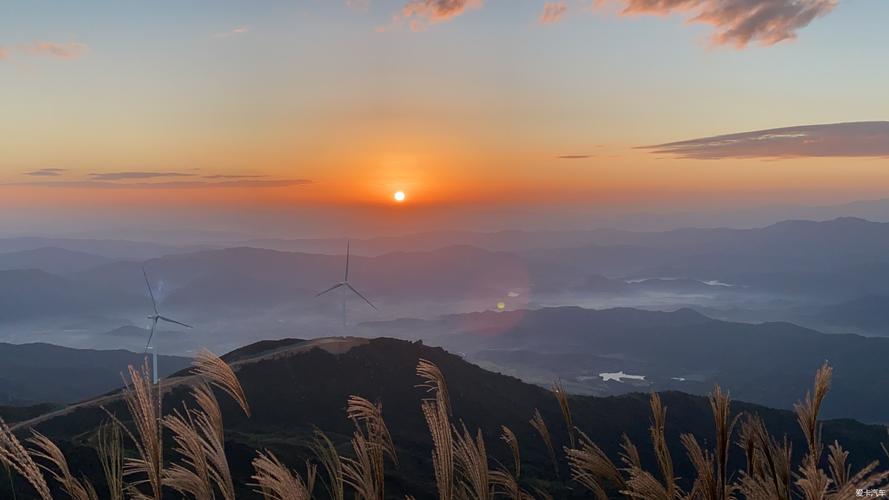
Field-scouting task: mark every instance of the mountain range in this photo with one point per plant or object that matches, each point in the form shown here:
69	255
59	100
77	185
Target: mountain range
765	363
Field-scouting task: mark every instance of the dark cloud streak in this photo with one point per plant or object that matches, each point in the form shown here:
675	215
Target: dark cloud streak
46	172
854	139
118	176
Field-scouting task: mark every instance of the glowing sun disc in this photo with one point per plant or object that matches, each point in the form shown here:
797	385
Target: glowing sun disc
399	196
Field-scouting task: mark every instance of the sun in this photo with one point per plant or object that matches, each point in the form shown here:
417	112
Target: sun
399	196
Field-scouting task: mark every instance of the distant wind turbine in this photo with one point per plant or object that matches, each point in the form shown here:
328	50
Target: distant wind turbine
345	285
154	319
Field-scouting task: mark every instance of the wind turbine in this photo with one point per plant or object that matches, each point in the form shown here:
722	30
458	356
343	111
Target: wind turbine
154	319
345	285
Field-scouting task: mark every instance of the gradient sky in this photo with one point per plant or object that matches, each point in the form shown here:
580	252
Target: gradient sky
333	105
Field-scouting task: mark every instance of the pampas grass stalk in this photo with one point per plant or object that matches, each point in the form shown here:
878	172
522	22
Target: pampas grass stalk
437	411
326	453
562	397
14	456
539	424
54	463
274	481
143	403
108	447
591	467
471	462
219	374
372	445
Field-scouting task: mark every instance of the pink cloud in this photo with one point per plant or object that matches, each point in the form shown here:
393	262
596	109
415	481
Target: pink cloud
741	22
419	13
70	50
3	53
553	12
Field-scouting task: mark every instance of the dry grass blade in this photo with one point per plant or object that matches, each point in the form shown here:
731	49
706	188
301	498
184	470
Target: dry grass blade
506	485
471	461
866	478
326	453
434	382
629	453
57	466
510	439
437	412
705	485
836	461
659	443
539	424
371	415
371	443
807	412
109	449
359	472
192	475
14	455
219	374
720	405
276	482
144	406
562	398
200	440
768	468
591	467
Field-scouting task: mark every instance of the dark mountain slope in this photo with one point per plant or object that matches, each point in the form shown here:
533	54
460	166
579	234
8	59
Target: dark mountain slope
294	386
36	373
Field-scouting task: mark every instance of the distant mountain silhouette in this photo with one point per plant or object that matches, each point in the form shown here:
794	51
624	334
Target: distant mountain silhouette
26	294
766	363
41	373
870	313
51	260
111	249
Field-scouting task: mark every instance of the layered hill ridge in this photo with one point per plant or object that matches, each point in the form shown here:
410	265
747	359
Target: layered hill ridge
766	363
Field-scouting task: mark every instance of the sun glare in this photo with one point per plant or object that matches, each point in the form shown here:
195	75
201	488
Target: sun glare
399	196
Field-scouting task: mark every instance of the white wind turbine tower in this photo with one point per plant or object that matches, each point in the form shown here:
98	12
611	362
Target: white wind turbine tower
154	319
345	285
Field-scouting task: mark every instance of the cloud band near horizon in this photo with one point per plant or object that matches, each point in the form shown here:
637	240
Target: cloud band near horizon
852	139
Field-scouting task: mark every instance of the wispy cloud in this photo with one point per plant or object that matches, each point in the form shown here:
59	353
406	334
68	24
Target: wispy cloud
244	176
46	172
740	22
237	30
98	184
69	50
420	13
575	157
117	176
553	12
855	139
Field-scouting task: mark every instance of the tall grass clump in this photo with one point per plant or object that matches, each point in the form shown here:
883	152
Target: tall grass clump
136	465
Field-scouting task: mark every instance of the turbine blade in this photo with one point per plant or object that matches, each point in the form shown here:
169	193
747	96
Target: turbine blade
334	287
168	320
151	335
348	253
362	296
150	293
